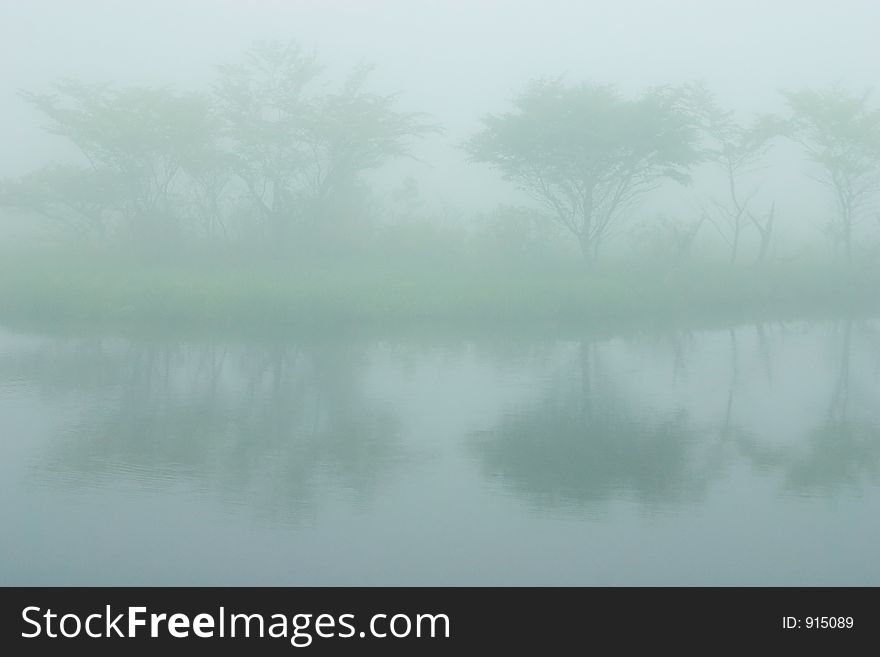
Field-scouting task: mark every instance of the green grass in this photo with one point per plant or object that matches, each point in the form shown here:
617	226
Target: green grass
64	290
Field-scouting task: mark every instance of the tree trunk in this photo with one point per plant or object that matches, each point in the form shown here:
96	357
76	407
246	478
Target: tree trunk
766	235
766	232
765	245
735	238
587	248
846	225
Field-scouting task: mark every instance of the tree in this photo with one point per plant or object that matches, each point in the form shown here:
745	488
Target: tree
586	154
672	239
299	151
264	109
137	144
841	135
353	131
735	150
84	201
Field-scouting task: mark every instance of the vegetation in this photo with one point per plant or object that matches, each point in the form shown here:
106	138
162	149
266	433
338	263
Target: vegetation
262	151
249	204
734	150
367	292
586	154
841	135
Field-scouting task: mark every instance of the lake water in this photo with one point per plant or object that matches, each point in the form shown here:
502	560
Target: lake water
740	456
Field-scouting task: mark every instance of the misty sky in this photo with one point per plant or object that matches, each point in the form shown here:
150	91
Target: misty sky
457	59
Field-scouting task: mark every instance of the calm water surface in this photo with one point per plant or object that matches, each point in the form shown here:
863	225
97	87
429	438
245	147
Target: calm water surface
748	455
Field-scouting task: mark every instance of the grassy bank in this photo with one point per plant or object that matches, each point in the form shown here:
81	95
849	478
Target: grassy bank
236	295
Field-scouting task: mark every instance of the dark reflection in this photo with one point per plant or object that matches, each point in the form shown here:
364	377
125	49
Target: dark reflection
275	425
587	442
843	448
592	436
765	351
286	427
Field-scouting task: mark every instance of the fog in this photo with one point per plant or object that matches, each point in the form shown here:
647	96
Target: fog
589	286
455	59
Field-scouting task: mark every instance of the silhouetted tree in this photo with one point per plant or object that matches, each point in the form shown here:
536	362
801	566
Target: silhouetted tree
841	135
84	201
586	154
735	150
299	152
137	144
264	109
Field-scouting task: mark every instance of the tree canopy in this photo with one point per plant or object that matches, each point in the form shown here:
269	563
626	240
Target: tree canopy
735	150
266	143
298	147
587	154
840	133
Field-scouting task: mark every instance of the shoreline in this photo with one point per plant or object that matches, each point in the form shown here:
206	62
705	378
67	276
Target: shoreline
258	299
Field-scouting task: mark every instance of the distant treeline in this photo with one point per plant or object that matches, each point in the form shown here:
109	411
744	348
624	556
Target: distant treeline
274	152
